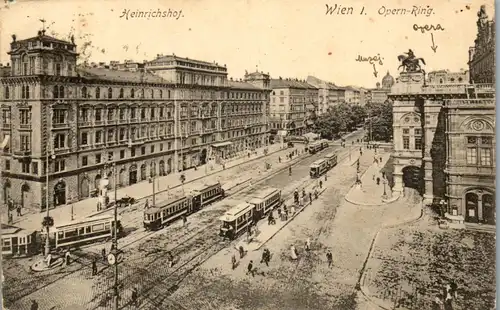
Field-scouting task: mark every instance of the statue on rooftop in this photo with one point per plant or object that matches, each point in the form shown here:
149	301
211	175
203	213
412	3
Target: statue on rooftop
410	63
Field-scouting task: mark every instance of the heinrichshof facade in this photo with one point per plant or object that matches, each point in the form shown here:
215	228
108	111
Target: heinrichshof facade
173	114
444	134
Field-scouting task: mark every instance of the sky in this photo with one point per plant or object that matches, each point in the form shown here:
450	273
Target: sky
287	38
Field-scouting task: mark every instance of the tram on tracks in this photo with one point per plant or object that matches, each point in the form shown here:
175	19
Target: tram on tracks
18	242
332	160
318	168
163	213
317	146
84	231
264	201
237	220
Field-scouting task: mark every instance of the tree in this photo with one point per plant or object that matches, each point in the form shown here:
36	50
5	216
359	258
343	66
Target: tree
340	118
381	121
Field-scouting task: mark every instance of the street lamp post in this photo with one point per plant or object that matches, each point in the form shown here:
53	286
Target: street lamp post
48	221
384	181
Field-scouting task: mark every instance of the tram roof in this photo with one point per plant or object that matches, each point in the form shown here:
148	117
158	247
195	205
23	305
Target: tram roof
10	230
206	185
236	211
162	204
331	155
265	192
318	162
85	220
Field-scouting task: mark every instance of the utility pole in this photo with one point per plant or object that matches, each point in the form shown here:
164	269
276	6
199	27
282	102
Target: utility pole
115	240
48	221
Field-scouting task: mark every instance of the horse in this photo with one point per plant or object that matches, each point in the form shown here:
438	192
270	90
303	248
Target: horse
410	64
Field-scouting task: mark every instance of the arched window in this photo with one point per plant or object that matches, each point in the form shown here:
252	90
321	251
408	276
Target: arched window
25	64
97	93
7	92
84	92
121	93
161	93
61	91
460	79
132	93
25	92
56	91
168	94
142	93
440	81
152	93
110	93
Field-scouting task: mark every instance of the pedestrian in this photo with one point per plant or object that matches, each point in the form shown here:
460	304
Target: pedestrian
292	210
326	178
310	197
264	258
184	221
380	159
134	297
242	251
67	257
279	213
94	267
11	219
18	210
103	253
315	194
320	184
383	174
170	259
378	180
146	205
34	305
250	269
293	253
233	262
308	244
329	258
279	159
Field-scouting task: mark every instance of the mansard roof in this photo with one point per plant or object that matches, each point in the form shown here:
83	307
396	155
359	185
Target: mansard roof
290	83
120	76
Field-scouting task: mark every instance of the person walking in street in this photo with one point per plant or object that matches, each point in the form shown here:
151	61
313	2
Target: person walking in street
329	258
233	262
67	257
293	253
250	269
308	245
18	209
320	184
184	221
103	253
380	159
264	258
378	181
326	177
242	251
290	171
134	297
279	159
292	210
279	213
34	305
310	197
11	218
94	267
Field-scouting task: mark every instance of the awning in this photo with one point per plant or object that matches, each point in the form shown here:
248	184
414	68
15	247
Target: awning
222	144
5	141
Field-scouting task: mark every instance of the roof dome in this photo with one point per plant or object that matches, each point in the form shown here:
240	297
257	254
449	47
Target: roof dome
387	81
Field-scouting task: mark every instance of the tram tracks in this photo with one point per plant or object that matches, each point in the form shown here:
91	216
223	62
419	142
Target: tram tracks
155	289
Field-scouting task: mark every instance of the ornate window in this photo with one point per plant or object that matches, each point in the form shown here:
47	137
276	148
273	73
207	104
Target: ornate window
25	92
110	93
121	93
417	138
479	151
7	92
84	92
132	93
97	93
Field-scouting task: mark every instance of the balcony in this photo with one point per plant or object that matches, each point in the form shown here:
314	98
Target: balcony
61	151
60	125
84	123
122	121
484	88
6	126
19	154
84	147
111	121
98	123
25	126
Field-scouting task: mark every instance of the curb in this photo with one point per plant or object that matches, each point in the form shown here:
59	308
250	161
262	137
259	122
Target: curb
360	285
387	202
179	185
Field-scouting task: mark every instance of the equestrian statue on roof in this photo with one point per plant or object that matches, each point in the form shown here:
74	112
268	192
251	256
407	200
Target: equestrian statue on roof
410	63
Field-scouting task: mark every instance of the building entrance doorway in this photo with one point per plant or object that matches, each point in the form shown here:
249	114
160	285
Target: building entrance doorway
412	178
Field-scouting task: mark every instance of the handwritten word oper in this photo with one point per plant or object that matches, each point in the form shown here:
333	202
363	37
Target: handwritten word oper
151	14
371	60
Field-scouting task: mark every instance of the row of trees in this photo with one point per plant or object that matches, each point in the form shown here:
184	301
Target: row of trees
344	118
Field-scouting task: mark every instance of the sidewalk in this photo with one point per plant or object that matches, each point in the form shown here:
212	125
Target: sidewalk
86	207
369	193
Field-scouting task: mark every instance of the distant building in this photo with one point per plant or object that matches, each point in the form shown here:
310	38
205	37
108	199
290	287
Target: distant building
379	94
482	55
292	102
447	77
328	94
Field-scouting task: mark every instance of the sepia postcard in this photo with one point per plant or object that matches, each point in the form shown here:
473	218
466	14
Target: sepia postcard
247	155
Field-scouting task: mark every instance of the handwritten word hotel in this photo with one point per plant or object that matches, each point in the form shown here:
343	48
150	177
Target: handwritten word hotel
151	14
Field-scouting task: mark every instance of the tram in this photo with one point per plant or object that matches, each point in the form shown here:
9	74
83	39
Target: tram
80	232
18	242
331	160
264	201
160	215
314	147
236	220
324	144
318	168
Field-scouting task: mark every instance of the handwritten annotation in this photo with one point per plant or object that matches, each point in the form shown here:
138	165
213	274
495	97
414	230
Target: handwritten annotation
151	14
371	60
337	9
425	28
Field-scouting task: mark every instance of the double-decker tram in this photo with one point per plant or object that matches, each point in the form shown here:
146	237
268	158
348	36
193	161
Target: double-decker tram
156	217
236	221
331	160
84	231
264	201
206	194
318	168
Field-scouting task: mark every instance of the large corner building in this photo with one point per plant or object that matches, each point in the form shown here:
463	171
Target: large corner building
170	114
